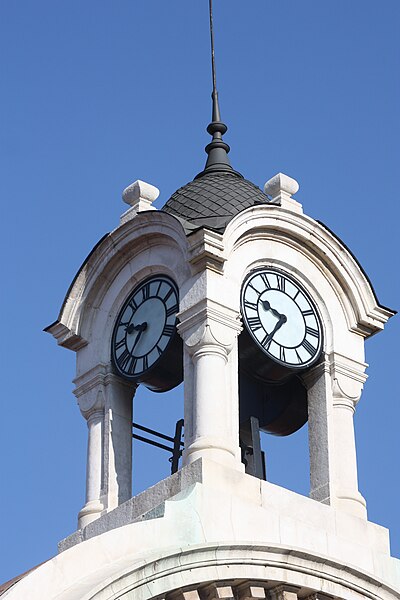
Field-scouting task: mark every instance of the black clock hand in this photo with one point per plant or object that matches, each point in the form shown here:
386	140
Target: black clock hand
139	329
266	305
133	327
280	322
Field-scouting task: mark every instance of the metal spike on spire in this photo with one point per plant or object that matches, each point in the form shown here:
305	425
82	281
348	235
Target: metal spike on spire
217	149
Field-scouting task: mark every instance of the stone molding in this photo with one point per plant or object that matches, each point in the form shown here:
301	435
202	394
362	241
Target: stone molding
347	376
206	251
283	592
147	229
364	314
90	388
268	572
209	323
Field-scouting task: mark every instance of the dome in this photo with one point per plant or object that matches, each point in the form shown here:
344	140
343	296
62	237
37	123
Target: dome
217	193
212	199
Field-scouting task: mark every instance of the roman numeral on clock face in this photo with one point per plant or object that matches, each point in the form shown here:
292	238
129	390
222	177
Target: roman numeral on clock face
168	294
281	283
133	304
168	330
171	311
312	331
308	347
265	281
119	344
254	322
251	305
146	291
132	366
123	360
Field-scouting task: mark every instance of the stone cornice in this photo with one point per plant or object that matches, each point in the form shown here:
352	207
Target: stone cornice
364	314
206	251
207	317
147	229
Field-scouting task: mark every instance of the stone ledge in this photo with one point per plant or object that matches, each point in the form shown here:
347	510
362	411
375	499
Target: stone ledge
146	505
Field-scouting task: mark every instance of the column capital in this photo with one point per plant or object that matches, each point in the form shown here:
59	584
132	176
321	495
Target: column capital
90	388
348	378
209	323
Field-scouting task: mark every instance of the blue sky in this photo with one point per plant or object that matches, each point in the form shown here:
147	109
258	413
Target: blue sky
97	94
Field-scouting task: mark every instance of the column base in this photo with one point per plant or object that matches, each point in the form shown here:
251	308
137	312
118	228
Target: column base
211	449
90	512
352	503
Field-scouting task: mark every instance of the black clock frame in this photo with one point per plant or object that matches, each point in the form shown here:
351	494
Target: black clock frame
167	370
250	343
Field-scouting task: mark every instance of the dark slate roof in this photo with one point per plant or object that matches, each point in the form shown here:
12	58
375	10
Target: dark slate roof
212	199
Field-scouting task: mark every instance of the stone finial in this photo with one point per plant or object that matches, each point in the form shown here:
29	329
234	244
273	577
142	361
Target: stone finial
140	196
281	188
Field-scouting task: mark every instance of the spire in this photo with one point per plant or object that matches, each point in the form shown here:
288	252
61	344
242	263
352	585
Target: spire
217	149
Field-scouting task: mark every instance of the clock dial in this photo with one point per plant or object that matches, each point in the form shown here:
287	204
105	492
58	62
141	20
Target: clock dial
281	318
145	327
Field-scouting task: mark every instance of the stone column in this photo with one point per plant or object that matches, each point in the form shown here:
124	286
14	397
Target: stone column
117	485
346	393
106	403
320	434
334	388
211	402
93	505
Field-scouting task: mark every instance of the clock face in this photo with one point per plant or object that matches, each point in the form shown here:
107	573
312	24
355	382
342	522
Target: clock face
281	318
145	326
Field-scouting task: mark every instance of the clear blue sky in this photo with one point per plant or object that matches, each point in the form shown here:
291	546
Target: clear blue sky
97	94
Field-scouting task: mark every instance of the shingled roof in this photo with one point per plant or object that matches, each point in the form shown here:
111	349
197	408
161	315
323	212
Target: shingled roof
213	199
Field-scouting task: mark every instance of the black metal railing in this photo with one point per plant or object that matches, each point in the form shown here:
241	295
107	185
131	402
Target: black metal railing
177	443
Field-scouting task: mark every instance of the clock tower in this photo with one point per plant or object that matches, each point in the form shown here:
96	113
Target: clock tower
263	313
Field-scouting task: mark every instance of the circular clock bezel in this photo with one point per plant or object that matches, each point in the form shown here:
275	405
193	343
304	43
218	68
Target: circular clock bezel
280	272
140	377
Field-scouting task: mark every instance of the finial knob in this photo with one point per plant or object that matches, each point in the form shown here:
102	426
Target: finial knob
281	188
140	196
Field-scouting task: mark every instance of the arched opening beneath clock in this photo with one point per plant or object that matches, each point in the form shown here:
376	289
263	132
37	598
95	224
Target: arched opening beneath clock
274	432
159	412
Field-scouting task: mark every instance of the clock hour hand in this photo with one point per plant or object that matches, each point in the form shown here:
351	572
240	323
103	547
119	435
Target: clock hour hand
266	305
131	328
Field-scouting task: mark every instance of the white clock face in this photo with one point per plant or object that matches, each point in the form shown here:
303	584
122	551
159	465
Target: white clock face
281	318
145	326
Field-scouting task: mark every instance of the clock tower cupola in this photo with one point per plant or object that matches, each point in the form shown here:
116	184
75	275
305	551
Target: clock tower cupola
263	313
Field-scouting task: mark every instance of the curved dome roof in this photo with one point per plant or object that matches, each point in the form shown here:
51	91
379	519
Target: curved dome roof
212	199
219	192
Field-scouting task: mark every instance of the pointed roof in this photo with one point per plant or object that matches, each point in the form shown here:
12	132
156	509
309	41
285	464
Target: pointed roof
217	193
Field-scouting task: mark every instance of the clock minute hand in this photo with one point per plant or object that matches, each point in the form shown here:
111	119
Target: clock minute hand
139	328
282	319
